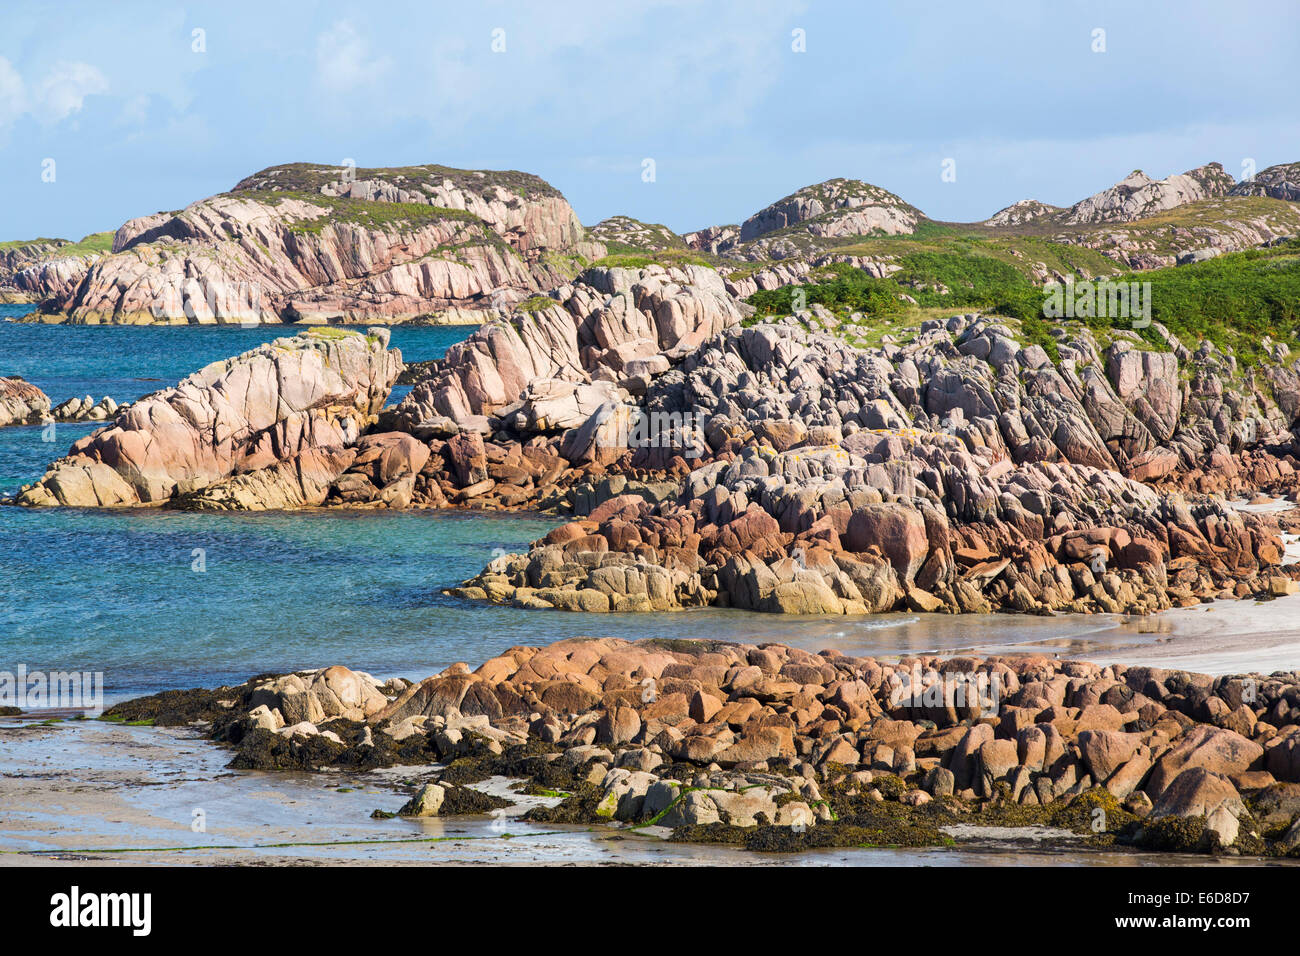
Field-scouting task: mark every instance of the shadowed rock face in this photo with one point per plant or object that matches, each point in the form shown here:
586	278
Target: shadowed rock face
1279	182
283	415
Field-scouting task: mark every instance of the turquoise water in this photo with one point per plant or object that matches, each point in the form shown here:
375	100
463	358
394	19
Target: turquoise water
118	592
127	361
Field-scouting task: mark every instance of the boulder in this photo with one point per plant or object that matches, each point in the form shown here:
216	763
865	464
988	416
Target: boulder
1198	792
1213	749
896	530
22	403
291	400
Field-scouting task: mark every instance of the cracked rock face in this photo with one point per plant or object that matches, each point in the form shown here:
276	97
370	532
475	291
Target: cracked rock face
962	471
281	418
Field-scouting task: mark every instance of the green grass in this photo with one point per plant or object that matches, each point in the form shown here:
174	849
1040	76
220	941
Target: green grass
1233	301
95	244
536	303
331	332
11	244
933	280
1021	252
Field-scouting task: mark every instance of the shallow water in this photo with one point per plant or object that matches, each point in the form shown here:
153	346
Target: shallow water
127	361
119	592
158	599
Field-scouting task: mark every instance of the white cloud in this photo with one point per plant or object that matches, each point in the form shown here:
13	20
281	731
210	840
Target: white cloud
52	97
63	91
344	61
627	78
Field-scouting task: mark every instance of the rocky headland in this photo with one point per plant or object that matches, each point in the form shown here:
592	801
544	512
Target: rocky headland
305	242
705	450
268	429
707	460
774	748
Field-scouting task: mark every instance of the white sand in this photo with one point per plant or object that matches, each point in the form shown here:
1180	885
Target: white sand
1226	637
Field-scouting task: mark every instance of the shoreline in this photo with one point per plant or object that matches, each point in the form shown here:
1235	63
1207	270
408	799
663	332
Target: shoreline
143	815
36	317
1220	638
1265	638
587	771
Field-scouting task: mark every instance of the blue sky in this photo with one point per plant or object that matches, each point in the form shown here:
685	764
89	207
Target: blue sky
137	121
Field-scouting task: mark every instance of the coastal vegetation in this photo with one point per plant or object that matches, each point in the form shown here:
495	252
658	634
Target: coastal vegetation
97	243
1234	301
668	258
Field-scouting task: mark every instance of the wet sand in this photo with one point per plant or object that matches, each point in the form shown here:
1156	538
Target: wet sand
1226	637
81	792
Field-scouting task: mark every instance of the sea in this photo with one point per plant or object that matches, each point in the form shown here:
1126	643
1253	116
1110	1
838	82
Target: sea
158	599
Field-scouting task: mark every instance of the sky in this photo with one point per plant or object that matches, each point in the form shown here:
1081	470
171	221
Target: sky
111	110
